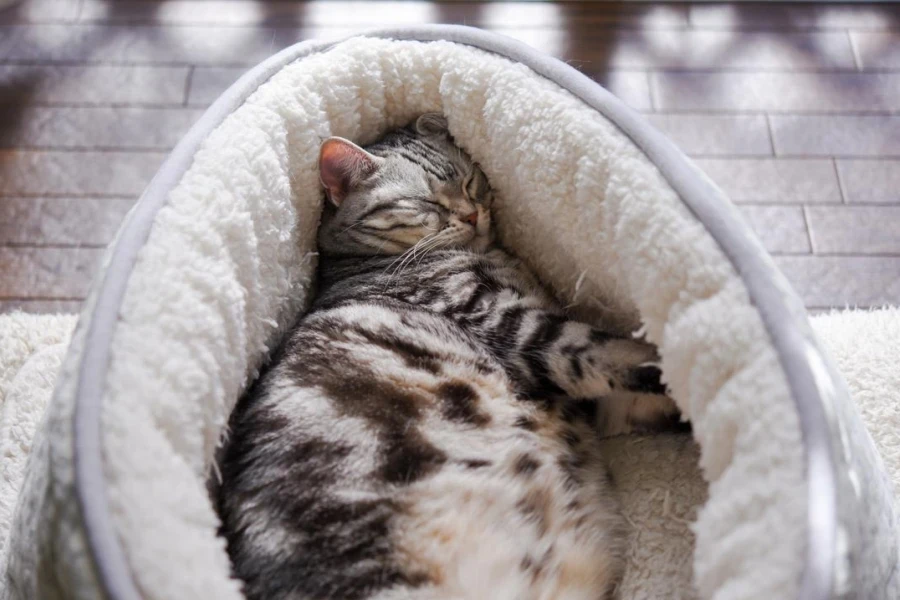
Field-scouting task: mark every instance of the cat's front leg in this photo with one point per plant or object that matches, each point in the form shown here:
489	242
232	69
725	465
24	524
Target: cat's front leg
552	354
625	412
621	375
484	233
588	363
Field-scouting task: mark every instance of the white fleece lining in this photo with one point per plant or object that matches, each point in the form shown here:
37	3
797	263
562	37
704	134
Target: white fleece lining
578	200
223	273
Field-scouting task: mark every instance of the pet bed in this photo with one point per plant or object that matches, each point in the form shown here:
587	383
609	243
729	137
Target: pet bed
218	259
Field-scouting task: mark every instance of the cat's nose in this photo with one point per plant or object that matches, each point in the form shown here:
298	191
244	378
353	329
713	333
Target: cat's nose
472	218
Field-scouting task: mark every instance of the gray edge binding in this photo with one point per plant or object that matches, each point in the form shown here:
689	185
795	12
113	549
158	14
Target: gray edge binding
780	309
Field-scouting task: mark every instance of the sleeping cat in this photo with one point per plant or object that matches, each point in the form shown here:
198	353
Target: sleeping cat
430	428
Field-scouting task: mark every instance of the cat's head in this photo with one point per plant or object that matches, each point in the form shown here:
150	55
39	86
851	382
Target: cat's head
414	186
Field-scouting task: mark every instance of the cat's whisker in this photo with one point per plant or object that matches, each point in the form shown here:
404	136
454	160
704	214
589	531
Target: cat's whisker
405	257
420	246
402	258
437	239
393	262
420	249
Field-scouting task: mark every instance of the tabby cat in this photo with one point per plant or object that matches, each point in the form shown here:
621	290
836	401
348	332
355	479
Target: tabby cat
430	428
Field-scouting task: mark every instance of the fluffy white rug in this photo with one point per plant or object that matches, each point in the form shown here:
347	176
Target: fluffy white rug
658	477
31	351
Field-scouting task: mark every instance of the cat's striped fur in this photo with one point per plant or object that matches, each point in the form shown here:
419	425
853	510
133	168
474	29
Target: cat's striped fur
430	429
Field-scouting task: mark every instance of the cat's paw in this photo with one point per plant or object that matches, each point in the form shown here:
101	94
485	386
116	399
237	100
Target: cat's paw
484	232
630	412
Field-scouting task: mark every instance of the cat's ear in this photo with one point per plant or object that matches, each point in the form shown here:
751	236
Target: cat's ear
342	166
432	124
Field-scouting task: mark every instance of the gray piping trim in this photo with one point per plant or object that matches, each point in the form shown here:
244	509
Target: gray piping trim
781	311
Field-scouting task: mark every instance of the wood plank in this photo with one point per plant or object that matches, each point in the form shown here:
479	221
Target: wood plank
40	11
632	87
47	273
61	221
208	82
855	229
778	92
65	173
104	85
826	281
838	135
145	45
672	49
707	135
870	180
98	128
877	50
343	13
781	229
780	181
778	15
597	49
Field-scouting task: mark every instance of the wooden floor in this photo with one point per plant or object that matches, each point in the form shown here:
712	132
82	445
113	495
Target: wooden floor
793	109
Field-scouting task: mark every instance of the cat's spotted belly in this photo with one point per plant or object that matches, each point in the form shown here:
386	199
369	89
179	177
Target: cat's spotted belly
493	497
521	509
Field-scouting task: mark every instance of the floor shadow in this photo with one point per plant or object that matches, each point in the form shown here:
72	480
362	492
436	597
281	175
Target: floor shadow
17	88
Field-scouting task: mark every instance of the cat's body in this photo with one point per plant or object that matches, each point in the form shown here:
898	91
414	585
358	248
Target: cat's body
430	429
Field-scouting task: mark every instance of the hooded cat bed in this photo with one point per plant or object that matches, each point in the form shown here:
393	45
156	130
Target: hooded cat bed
217	260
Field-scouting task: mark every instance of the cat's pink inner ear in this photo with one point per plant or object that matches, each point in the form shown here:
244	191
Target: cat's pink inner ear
342	166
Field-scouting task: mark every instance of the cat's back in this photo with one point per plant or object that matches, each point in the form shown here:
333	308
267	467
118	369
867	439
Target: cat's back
385	455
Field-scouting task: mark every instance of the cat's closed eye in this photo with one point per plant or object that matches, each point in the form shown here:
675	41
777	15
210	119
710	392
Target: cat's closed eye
431	202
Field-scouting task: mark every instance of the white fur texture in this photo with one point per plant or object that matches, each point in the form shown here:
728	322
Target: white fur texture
31	350
228	265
